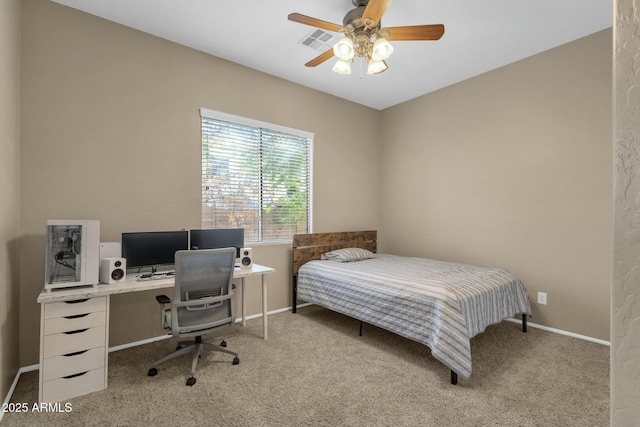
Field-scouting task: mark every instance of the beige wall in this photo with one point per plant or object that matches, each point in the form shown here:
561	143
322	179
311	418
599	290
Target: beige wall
111	131
9	189
513	169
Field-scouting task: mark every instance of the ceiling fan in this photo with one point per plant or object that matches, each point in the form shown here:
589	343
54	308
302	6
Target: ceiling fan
364	37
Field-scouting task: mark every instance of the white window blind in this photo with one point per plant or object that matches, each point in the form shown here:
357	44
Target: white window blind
255	176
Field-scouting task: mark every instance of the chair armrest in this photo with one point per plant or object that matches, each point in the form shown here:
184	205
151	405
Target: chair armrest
163	299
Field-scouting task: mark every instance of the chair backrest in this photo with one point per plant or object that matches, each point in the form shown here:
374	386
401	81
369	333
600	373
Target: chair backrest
203	298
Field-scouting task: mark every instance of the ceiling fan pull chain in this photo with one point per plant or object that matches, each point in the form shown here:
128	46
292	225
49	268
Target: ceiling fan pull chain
361	65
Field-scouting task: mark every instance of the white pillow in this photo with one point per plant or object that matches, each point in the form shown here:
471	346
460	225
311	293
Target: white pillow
348	255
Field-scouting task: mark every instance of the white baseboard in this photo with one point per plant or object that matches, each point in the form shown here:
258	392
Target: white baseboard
15	383
163	337
561	332
137	343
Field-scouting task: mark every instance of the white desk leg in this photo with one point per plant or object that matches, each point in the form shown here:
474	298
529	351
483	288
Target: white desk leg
244	304
264	306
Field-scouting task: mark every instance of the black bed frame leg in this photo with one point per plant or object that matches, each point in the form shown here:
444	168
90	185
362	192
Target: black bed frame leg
361	323
454	378
294	296
524	322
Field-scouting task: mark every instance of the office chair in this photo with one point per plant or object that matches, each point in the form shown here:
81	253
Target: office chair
203	303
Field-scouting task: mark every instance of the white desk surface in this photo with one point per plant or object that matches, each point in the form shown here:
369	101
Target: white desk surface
132	284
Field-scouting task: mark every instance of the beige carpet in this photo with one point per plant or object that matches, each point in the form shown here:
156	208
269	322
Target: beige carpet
316	371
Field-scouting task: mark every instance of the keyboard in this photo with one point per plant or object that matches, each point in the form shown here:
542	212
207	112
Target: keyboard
156	276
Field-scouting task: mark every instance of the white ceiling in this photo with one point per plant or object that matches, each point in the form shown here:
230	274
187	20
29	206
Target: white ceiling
480	35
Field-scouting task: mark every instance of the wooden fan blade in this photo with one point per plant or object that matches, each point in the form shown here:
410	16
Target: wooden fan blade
416	32
375	9
320	58
307	20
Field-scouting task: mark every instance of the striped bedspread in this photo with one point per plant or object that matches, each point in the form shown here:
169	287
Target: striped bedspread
439	304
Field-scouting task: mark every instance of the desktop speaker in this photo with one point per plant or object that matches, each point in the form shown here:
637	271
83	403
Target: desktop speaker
113	270
246	257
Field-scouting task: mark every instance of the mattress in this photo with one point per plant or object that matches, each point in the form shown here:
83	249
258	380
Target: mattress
439	304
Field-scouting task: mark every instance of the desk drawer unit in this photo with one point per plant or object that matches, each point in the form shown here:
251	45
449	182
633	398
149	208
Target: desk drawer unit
73	348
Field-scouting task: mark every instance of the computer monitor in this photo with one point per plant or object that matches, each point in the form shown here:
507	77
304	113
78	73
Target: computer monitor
214	238
153	248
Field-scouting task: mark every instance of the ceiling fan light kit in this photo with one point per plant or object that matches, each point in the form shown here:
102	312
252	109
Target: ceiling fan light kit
344	49
376	67
342	66
381	50
364	37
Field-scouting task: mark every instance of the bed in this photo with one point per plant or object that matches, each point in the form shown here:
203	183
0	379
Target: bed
439	304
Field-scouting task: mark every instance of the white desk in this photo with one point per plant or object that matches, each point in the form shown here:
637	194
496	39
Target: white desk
74	337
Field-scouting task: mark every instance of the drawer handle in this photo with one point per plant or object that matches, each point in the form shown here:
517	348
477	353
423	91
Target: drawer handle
76	316
74	354
76	301
74	375
79	331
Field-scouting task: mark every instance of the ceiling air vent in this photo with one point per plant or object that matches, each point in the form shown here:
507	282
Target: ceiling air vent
320	40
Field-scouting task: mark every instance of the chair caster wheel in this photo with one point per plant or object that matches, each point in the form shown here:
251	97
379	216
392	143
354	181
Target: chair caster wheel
236	361
152	372
191	381
223	343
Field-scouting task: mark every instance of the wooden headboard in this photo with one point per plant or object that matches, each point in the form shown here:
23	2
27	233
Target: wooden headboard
307	247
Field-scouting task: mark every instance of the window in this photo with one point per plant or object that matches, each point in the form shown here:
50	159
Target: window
255	176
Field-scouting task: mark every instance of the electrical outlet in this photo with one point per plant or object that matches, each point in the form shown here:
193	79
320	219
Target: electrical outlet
542	298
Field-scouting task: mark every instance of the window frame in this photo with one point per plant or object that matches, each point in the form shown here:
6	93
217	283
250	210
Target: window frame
206	113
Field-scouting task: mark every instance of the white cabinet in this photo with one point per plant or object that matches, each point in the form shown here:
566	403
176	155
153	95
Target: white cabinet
73	348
